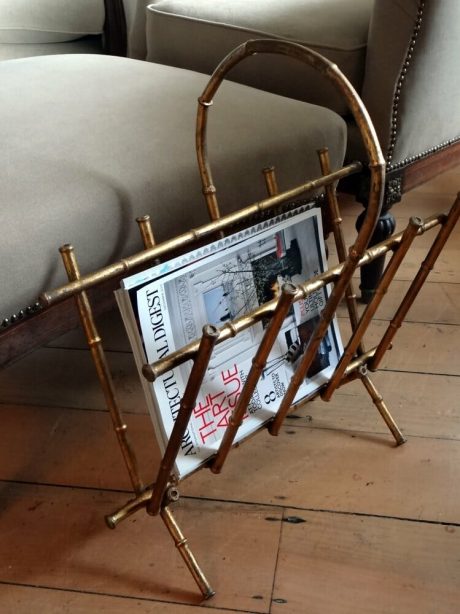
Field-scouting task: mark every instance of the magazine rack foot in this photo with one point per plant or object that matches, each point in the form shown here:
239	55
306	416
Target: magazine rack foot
355	362
378	401
180	541
181	544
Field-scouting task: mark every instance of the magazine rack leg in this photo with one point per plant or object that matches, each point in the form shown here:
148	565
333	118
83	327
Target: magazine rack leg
259	361
411	231
103	372
182	545
427	265
208	340
378	401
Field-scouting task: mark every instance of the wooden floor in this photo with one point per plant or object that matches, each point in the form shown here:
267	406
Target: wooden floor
328	518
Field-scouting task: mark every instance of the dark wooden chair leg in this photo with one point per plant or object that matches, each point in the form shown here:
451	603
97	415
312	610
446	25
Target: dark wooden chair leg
385	227
371	273
115	33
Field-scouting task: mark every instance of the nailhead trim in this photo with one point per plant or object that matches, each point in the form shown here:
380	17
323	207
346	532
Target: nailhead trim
22	314
423	154
402	76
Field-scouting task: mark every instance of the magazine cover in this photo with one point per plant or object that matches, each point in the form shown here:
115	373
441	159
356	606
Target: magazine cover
166	307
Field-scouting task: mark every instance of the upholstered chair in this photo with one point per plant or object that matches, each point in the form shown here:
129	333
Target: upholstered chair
91	141
49	27
402	58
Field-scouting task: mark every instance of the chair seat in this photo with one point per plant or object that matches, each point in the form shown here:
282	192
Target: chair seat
50	21
42	27
197	35
90	142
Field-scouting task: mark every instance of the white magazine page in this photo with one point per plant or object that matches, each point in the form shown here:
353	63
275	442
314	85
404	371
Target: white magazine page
221	287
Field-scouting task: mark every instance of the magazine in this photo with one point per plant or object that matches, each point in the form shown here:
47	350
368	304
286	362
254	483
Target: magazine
166	306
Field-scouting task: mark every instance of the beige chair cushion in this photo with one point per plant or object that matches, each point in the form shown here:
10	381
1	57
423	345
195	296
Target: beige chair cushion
198	34
49	21
89	142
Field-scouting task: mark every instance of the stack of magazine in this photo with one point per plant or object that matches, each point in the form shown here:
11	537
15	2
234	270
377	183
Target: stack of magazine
166	306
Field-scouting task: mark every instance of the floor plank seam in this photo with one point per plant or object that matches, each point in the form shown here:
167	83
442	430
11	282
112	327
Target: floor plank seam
85	349
356	434
326	511
120	596
120	491
431	373
426	322
39	406
275	571
262	504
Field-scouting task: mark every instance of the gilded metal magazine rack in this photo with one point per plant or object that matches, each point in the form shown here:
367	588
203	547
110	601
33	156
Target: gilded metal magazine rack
355	363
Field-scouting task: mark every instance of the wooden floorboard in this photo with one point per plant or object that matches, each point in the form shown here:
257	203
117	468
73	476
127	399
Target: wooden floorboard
52	445
437	303
417	348
66	377
423	405
349	564
56	537
342	471
329	517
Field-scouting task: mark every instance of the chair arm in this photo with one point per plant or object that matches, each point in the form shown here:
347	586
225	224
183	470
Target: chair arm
411	87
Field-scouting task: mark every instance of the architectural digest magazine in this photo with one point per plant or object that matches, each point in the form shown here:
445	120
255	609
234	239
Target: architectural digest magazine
166	306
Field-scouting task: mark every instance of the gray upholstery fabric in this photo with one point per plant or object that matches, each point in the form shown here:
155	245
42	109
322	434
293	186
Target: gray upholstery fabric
88	44
89	142
197	35
428	112
49	21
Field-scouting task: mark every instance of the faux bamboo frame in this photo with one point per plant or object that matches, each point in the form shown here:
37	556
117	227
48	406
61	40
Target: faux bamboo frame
355	362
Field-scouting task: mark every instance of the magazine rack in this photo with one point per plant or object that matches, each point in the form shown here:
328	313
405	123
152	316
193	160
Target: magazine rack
355	362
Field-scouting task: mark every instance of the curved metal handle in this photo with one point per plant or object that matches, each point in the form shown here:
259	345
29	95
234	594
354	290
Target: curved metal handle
377	177
344	87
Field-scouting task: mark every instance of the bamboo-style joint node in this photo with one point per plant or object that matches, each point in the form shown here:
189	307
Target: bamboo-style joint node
205	103
66	248
181	543
94	341
172	494
232	329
